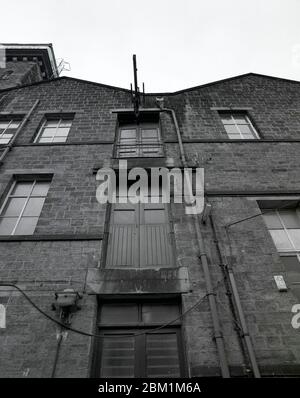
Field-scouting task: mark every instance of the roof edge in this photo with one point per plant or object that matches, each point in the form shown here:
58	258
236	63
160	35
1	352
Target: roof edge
150	94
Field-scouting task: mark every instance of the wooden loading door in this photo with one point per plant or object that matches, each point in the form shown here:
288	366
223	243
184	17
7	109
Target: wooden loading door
139	236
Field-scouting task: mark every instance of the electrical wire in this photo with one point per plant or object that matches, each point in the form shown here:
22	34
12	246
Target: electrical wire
100	335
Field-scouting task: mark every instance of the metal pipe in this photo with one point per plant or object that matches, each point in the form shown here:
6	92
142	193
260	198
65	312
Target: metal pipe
59	341
203	257
245	335
19	129
231	294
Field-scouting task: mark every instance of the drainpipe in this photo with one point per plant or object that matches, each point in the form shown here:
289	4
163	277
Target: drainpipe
245	335
236	306
58	345
203	257
19	129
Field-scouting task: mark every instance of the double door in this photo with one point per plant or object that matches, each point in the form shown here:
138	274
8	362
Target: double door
139	236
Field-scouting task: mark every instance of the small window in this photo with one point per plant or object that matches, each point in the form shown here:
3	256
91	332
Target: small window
8	128
21	209
238	126
130	348
54	130
139	137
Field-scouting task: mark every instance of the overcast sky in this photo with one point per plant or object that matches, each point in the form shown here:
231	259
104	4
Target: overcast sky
178	43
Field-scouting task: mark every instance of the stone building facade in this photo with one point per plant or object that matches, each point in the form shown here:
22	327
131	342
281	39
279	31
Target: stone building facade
136	268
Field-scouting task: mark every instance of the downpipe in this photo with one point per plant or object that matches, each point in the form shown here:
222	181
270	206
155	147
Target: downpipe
236	306
218	336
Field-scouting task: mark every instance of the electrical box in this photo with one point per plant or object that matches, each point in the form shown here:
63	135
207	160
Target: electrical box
66	299
280	283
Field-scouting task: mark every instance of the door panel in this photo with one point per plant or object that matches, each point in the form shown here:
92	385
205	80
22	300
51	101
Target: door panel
155	238
123	238
118	356
139	236
162	355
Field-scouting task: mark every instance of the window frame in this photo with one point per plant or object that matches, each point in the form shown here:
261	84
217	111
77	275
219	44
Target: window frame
275	210
140	341
146	122
59	118
293	204
9	195
10	119
249	122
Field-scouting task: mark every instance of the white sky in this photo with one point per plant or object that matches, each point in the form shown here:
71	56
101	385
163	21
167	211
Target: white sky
178	43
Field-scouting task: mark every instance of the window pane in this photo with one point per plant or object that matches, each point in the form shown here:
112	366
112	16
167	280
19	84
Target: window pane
14	207
65	123
124	217
280	239
34	207
62	132
295	237
59	139
155	216
130	133
7	225
118	356
45	140
290	218
246	132
151	135
226	119
117	314
240	119
5	138
22	188
40	189
48	133
232	131
155	313
272	220
162	355
51	123
26	226
14	125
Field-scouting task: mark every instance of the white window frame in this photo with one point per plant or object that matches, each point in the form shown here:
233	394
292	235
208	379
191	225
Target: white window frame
59	121
249	123
10	121
9	196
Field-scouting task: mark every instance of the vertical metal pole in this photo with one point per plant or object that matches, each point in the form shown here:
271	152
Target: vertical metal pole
136	89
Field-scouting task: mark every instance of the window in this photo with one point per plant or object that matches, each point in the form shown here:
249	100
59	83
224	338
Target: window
54	130
8	128
139	138
130	347
238	126
284	226
21	209
139	236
